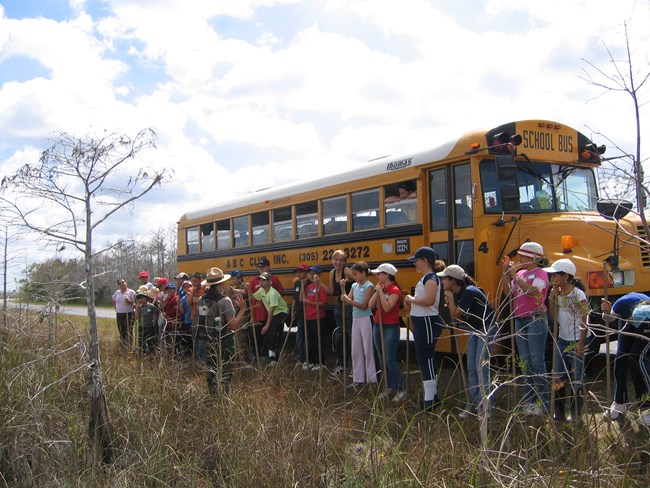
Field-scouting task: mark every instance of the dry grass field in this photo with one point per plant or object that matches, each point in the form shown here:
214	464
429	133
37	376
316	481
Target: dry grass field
280	427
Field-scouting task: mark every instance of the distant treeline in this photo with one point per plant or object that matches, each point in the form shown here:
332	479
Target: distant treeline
63	280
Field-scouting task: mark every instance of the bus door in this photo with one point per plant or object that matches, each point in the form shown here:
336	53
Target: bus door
451	222
451	229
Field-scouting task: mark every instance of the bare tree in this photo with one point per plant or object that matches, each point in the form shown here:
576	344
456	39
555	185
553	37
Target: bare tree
624	76
76	186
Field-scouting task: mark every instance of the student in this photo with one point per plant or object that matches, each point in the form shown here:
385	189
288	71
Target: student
622	312
146	314
235	289
123	300
340	273
170	310
315	299
216	316
363	361
528	283
426	321
297	313
387	300
568	304
277	312
469	305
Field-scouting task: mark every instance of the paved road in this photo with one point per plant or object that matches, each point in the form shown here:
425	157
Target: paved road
80	310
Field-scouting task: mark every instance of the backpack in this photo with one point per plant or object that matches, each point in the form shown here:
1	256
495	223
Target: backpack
209	320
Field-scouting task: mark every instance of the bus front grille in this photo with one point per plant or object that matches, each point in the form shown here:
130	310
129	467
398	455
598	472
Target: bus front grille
644	246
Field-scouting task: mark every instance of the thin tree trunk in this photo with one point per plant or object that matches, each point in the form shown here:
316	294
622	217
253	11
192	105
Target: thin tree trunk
99	427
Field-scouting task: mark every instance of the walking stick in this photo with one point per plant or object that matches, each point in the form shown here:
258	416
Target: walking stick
320	353
553	382
463	377
608	361
250	306
304	324
345	353
408	346
286	336
384	372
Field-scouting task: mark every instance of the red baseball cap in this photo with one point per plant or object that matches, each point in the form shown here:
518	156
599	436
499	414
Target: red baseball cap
144	274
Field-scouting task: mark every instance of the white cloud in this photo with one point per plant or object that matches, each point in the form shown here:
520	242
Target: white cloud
340	83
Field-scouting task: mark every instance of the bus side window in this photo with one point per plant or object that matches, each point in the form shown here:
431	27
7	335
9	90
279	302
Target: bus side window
306	220
400	203
240	230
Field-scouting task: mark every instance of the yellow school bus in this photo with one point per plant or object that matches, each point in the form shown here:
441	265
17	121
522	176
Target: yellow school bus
473	200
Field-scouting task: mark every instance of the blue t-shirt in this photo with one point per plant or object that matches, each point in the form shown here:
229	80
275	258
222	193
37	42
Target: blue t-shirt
359	295
478	311
624	306
187	310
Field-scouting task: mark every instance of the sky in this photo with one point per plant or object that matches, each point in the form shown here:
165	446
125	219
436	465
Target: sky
248	94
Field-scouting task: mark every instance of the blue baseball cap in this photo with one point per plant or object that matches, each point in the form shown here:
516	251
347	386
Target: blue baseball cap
235	273
171	285
424	253
316	269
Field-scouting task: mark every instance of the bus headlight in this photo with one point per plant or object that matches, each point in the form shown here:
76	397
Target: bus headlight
596	279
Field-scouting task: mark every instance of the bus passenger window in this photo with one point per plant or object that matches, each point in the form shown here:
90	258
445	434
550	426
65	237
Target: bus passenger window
282	226
192	240
306	220
335	216
365	210
223	234
260	228
240	230
401	203
207	237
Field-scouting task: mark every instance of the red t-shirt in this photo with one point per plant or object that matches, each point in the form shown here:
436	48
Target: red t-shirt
170	310
391	317
314	295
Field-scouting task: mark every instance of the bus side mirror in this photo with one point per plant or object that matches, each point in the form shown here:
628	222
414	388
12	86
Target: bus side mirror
613	209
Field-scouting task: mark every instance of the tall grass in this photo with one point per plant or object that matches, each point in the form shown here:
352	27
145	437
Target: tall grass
280	427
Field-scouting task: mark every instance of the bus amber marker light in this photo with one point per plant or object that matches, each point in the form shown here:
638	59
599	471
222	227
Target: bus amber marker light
567	244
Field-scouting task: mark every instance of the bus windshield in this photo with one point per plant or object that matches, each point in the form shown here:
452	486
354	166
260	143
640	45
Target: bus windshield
543	187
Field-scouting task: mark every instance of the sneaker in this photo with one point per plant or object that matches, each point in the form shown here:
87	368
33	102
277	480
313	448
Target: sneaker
338	370
383	395
536	411
465	412
645	419
315	367
305	366
615	410
399	396
272	363
355	385
351	375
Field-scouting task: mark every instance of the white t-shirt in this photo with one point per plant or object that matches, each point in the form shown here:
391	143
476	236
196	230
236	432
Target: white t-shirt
420	292
120	303
570	313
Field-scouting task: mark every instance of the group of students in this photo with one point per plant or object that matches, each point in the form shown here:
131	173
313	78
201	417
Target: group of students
568	308
368	316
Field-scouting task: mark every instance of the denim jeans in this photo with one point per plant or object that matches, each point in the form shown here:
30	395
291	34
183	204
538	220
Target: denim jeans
391	342
478	357
568	364
300	338
531	333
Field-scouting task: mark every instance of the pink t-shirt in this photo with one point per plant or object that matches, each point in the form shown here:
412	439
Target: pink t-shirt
526	305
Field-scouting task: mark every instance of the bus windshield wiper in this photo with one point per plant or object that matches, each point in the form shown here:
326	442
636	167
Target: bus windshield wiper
564	172
531	170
